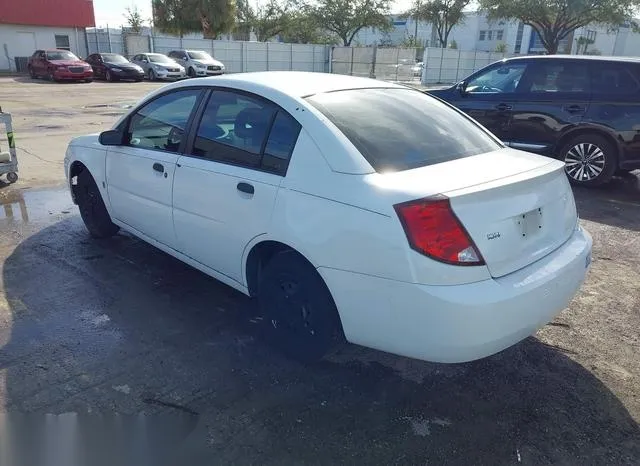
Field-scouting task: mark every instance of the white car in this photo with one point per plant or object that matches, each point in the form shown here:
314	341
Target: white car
197	63
347	206
157	66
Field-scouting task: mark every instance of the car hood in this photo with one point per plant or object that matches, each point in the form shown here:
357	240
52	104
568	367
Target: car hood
167	65
126	66
68	62
208	62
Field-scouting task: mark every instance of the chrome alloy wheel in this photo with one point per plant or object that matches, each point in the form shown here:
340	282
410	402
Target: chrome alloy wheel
584	161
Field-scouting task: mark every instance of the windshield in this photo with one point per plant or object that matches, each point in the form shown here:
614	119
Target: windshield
199	55
400	129
61	55
114	58
159	58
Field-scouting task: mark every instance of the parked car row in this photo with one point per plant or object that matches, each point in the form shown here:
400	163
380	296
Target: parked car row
61	65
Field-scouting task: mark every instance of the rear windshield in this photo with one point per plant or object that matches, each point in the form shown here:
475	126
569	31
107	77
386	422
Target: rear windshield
400	129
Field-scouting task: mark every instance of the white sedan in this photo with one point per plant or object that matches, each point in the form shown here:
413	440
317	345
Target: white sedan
350	208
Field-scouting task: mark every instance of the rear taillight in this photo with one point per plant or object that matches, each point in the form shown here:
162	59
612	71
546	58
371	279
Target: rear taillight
433	229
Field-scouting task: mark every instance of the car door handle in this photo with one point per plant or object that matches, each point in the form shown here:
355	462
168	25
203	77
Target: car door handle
158	167
574	108
503	107
246	188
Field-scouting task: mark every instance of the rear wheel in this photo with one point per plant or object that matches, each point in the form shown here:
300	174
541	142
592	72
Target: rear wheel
12	177
590	160
92	209
299	315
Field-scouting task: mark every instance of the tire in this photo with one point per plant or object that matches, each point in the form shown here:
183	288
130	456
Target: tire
12	177
108	76
50	77
88	80
191	72
152	75
299	315
32	73
92	209
590	160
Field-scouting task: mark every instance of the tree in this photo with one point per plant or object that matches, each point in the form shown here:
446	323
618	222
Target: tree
179	17
345	18
303	28
501	47
134	18
554	20
442	14
271	19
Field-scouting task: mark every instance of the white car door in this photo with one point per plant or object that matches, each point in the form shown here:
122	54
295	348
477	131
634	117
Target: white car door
226	185
140	172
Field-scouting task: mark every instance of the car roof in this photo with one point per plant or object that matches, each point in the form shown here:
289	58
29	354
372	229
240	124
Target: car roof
292	83
576	57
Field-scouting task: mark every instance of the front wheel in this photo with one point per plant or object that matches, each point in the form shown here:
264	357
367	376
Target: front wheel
152	75
299	315
191	73
590	160
32	73
108	76
92	209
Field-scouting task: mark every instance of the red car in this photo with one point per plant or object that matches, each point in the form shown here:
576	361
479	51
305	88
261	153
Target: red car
59	65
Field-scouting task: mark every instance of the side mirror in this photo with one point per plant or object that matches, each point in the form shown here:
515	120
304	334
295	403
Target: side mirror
144	60
112	137
461	87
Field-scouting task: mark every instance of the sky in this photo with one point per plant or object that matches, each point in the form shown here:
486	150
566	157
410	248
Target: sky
111	11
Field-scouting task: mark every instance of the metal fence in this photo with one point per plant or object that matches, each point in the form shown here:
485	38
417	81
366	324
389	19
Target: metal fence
451	66
238	56
387	63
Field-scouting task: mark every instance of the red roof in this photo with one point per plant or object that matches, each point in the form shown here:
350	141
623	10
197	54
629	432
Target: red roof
61	13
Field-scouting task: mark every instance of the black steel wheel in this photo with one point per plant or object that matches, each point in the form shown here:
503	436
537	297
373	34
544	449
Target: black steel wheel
590	160
92	209
299	315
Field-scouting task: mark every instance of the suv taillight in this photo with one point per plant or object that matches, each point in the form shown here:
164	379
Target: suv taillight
433	229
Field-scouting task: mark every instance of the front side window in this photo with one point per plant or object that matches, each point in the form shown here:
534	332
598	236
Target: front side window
401	129
504	78
161	124
234	129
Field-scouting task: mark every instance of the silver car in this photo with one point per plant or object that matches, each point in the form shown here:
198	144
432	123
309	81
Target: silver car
198	63
158	66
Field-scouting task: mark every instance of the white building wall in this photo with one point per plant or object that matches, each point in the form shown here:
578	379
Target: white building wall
22	41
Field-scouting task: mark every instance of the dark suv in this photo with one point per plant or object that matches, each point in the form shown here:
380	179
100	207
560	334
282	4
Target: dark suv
583	110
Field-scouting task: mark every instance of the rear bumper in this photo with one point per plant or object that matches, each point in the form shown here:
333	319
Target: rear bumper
462	322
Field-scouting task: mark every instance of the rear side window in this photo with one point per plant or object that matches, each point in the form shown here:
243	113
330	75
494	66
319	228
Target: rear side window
400	129
613	79
556	76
